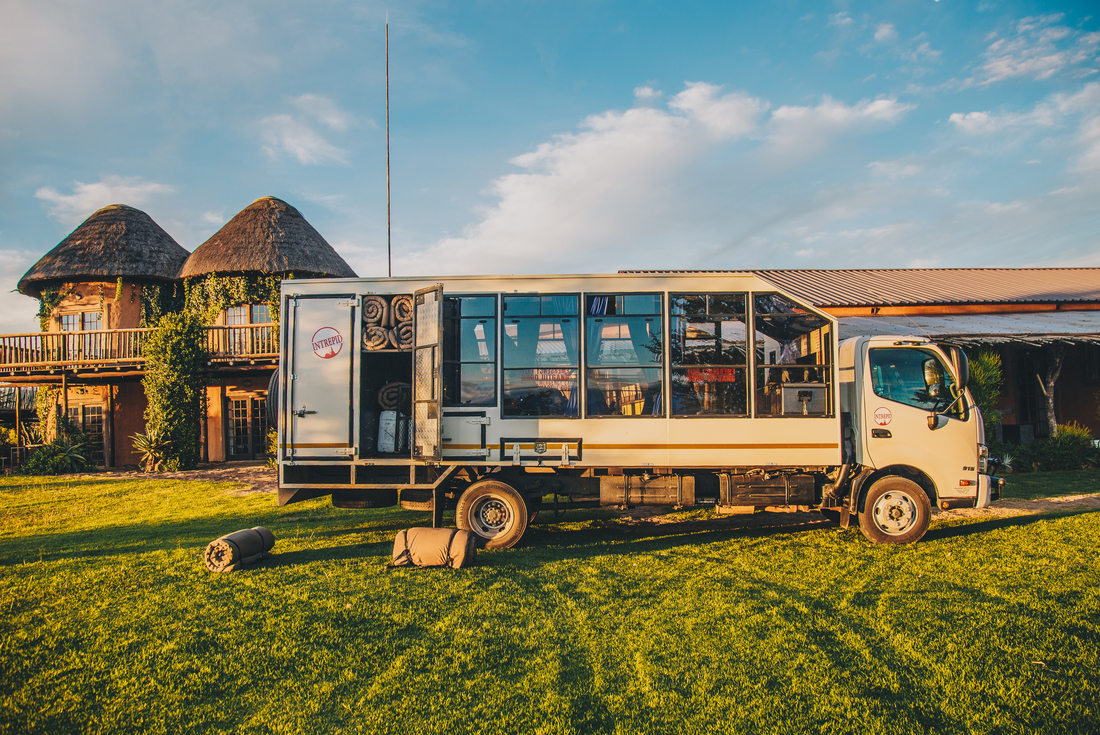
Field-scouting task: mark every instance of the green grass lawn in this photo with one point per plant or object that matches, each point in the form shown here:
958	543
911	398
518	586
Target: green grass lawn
111	624
1052	484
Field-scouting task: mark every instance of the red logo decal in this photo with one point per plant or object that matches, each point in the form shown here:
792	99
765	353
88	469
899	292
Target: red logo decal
883	416
327	343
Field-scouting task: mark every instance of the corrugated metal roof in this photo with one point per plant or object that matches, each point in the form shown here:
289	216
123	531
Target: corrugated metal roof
928	286
1029	328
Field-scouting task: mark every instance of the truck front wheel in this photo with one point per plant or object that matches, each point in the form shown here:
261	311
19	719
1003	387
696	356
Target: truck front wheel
895	511
494	512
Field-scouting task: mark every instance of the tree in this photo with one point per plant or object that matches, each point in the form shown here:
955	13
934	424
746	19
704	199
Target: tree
986	383
1055	353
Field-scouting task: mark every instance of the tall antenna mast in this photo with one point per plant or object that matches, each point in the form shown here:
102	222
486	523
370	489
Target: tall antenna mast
389	226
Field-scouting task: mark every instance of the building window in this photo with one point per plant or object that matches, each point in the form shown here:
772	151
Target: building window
89	419
793	358
541	357
257	336
247	418
709	354
470	351
236	315
260	314
623	348
86	321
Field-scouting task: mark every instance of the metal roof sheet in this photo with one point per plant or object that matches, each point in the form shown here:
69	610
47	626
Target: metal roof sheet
927	286
1029	328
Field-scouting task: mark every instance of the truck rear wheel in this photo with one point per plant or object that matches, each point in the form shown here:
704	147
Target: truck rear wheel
895	511
494	512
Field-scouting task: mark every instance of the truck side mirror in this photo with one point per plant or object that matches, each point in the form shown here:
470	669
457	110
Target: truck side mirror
962	364
933	377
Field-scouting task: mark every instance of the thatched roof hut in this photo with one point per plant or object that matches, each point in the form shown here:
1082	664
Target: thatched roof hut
268	236
117	241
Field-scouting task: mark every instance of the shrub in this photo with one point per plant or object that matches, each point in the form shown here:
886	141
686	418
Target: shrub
272	448
153	448
1071	448
68	451
175	382
986	381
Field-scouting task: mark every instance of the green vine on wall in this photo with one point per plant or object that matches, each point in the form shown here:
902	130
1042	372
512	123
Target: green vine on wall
175	386
206	297
158	299
49	300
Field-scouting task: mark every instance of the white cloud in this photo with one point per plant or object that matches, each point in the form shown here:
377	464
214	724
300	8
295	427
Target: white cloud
74	208
282	133
840	19
324	111
796	131
643	180
647	94
895	169
885	32
1038	50
214	218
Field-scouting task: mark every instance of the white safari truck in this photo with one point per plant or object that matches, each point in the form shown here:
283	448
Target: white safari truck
493	395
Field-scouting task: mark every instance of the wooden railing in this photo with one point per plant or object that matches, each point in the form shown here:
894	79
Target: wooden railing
244	342
52	350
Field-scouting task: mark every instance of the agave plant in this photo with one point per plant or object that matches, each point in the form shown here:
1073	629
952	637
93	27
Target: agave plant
153	448
69	455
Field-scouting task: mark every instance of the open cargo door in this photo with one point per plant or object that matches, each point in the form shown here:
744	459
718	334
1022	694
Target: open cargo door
319	378
428	374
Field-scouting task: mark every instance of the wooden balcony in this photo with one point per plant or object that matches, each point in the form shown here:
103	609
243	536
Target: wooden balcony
118	351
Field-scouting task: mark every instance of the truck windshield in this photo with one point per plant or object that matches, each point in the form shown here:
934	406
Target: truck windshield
898	374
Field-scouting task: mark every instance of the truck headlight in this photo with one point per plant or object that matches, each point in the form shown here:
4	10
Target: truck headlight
983	459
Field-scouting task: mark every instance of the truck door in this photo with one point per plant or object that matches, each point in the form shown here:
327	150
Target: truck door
428	374
903	390
320	377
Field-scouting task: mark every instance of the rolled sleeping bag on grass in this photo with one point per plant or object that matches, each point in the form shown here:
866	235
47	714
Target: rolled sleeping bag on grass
376	338
402	308
238	549
374	310
434	547
402	336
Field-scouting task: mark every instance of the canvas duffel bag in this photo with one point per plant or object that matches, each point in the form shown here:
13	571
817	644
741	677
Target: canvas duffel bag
434	547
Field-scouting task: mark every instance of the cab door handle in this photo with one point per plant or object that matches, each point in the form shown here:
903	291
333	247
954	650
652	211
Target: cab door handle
881	433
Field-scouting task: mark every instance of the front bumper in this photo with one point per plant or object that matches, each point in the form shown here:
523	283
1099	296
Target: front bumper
989	489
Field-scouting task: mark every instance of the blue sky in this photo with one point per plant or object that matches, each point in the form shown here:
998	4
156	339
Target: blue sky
564	136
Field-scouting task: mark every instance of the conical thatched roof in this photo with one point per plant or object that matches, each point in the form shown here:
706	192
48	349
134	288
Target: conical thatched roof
267	236
115	241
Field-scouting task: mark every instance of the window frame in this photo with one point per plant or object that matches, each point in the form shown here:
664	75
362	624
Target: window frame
828	368
662	366
497	353
502	369
746	367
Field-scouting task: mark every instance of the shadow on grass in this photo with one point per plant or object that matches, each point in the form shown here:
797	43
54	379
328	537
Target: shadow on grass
994	524
142	538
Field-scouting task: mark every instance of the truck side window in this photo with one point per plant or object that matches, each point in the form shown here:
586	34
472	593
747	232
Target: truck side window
709	354
793	358
541	355
624	355
898	374
469	351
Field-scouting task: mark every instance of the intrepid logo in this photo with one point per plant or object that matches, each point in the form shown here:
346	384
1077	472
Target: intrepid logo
327	343
883	416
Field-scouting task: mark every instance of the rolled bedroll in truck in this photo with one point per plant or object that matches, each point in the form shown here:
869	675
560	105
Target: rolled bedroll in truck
680	389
